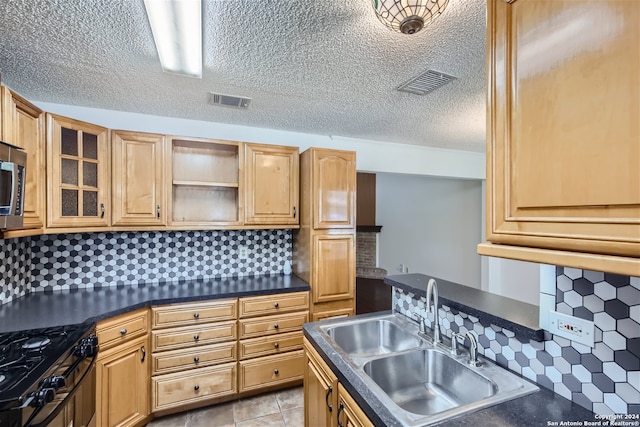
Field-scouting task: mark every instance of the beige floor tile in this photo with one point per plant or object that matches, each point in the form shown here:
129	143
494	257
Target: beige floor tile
290	398
177	420
293	417
254	407
265	421
217	415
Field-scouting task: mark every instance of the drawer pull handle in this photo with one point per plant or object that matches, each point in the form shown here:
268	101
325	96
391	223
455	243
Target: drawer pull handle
196	315
275	371
276	345
340	409
196	387
144	354
196	359
123	331
276	326
326	398
276	305
101	210
196	337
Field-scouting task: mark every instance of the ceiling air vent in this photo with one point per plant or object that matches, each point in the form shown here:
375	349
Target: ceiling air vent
426	82
229	101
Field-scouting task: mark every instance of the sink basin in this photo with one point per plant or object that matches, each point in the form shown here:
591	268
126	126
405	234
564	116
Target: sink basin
427	382
416	382
373	337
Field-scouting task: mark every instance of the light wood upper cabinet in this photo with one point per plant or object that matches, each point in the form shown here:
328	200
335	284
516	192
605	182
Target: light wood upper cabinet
272	175
563	136
139	196
78	173
23	126
206	180
334	188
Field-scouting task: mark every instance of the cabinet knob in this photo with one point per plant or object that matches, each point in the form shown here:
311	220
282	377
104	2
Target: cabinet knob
276	345
276	305
275	371
123	331
196	359
196	337
276	326
196	315
196	387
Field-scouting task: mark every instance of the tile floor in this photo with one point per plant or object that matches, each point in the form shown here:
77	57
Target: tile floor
283	408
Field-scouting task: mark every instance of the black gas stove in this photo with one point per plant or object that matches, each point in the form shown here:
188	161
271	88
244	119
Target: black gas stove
40	371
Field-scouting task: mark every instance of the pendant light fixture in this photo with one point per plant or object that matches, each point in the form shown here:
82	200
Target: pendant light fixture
408	16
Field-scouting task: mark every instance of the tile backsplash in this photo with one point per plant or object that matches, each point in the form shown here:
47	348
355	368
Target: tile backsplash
72	261
15	268
604	379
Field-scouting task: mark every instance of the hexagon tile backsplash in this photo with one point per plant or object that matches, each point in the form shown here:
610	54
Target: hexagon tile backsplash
73	261
604	379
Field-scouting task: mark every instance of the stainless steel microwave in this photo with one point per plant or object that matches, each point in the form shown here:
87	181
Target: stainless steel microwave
13	162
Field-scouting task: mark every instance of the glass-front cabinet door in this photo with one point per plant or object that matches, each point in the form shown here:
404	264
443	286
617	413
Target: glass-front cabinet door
78	173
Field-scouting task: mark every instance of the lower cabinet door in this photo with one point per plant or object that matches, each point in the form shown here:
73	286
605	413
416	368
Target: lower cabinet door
271	370
122	384
349	413
182	388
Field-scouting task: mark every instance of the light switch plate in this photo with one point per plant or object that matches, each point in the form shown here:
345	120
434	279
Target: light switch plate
572	328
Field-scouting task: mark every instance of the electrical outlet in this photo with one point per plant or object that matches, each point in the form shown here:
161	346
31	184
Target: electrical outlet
401	268
573	328
243	252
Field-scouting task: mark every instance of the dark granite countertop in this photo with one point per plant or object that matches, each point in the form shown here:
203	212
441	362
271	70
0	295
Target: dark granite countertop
537	409
518	317
58	308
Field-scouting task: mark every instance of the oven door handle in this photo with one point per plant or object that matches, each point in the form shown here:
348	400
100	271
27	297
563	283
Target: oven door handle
69	396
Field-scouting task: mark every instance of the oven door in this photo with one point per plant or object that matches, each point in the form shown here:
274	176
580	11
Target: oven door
74	403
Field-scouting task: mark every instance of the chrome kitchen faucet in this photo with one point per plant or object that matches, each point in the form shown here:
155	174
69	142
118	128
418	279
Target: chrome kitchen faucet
432	296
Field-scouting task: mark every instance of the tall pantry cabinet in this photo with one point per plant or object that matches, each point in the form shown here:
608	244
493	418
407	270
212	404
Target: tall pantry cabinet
324	246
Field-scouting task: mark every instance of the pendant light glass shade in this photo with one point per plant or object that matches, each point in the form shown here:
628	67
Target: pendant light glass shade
408	16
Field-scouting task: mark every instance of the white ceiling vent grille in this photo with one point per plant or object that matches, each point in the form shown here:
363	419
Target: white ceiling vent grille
229	101
426	82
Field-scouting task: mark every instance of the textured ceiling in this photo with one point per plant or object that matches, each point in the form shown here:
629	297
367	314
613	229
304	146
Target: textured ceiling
328	68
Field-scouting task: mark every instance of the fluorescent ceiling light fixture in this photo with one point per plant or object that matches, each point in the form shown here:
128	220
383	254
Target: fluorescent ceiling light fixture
177	31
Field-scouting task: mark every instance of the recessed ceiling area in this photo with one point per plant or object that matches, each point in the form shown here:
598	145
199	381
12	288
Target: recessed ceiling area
328	68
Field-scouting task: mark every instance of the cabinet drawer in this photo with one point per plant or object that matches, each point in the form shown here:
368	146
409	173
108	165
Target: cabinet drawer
273	304
193	314
174	390
189	336
179	360
122	329
270	325
271	370
275	344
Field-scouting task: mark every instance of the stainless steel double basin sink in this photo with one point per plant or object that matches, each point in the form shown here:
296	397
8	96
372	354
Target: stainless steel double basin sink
419	383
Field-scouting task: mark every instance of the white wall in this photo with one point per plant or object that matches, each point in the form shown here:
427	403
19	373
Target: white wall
519	280
432	225
373	156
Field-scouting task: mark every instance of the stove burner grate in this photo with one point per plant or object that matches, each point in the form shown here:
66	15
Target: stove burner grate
35	343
